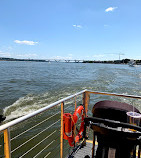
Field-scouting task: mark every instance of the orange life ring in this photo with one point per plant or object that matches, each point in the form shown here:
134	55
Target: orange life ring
76	115
69	122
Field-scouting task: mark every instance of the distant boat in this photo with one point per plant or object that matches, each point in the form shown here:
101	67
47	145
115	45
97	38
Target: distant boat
131	63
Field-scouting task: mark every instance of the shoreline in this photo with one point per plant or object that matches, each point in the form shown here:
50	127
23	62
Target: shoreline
123	61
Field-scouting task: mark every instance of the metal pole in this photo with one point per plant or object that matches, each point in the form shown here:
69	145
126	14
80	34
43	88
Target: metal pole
114	94
139	151
93	148
86	98
7	147
61	136
134	152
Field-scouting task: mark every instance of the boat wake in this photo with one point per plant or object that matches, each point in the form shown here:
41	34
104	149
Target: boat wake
22	106
31	103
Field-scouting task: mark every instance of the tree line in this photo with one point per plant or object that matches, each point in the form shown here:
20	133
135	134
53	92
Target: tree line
123	61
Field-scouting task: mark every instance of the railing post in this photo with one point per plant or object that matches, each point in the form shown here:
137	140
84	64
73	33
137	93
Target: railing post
86	97
61	136
7	146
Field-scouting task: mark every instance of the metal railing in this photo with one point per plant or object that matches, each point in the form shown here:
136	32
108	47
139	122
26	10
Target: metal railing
44	133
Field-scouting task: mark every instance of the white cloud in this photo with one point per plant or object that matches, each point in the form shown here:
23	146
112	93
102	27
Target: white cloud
27	55
77	26
87	56
62	58
98	56
5	54
70	55
110	9
106	25
25	42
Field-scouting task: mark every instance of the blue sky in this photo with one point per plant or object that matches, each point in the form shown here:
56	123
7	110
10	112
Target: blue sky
70	29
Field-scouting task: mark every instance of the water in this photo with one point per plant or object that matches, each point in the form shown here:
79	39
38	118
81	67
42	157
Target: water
28	86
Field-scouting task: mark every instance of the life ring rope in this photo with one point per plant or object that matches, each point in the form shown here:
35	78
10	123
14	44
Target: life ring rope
74	126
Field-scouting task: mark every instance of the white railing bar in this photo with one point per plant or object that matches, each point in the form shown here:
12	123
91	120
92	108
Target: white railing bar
37	144
34	136
47	155
43	149
114	94
9	124
35	126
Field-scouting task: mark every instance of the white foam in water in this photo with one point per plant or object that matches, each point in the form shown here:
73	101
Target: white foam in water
31	103
22	106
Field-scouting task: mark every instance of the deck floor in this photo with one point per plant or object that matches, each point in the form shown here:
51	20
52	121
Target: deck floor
86	150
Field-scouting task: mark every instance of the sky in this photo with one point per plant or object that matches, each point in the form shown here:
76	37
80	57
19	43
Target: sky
70	29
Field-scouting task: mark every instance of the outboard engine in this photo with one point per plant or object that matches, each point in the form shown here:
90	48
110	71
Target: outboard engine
116	137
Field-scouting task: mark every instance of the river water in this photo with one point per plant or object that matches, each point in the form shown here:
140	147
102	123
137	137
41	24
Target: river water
28	86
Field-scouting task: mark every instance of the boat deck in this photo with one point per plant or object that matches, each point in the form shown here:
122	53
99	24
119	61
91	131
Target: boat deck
86	150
